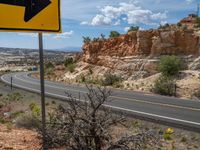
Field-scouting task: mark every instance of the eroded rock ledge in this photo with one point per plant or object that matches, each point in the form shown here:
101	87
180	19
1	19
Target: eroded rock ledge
141	44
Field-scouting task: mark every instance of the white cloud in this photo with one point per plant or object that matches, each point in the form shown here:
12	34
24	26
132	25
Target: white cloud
84	23
101	20
126	29
64	35
34	35
189	1
129	12
117	23
163	23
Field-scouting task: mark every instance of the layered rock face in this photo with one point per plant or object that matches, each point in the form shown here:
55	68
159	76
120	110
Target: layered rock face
144	43
138	52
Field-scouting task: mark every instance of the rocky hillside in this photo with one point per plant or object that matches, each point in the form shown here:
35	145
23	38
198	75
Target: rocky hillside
140	50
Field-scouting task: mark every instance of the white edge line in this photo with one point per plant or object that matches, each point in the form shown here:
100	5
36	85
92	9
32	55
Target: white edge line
114	107
55	87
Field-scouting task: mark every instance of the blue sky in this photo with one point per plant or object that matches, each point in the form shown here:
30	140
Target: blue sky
93	17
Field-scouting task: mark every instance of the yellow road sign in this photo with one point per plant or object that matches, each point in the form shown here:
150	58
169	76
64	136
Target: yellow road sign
30	15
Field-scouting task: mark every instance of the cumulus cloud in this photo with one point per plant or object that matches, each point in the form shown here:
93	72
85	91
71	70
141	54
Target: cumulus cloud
101	20
64	35
128	12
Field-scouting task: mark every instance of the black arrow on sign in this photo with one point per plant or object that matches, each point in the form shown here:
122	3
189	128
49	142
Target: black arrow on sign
32	7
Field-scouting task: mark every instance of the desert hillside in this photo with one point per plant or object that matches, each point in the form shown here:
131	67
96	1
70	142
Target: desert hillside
134	58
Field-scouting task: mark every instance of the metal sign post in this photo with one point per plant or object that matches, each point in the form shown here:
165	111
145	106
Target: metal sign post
42	91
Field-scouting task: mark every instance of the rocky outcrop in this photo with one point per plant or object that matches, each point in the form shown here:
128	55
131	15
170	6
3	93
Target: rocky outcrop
143	43
137	53
195	65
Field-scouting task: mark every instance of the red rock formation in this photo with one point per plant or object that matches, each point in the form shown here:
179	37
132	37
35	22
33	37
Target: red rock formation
143	43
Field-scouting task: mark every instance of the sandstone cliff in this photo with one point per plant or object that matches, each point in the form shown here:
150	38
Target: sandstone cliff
143	43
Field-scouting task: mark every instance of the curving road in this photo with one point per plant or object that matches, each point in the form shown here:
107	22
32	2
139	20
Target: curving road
171	111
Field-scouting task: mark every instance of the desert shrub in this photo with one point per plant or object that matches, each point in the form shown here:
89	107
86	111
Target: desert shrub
111	80
82	79
197	93
102	36
68	61
16	114
198	21
87	125
96	39
49	65
168	134
71	68
165	86
179	24
90	71
184	27
86	39
169	65
114	34
28	121
35	109
30	69
165	26
13	97
133	28
183	139
2	120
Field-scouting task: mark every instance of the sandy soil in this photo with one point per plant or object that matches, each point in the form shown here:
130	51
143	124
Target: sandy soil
18	139
187	83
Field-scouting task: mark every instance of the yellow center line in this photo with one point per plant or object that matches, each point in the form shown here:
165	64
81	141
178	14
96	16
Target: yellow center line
159	104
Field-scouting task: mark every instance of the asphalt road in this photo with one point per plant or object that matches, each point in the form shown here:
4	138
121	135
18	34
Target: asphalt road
172	111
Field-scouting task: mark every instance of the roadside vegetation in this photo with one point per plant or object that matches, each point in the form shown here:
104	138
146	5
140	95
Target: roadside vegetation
70	64
94	127
169	67
107	80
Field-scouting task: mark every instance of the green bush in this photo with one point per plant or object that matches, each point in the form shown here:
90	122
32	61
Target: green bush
13	97
167	136
30	69
133	28
86	39
170	65
197	93
68	61
28	121
16	114
198	21
71	68
114	34
35	109
49	65
165	26
111	80
165	86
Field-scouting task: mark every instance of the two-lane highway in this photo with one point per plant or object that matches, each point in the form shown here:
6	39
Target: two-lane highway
179	112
